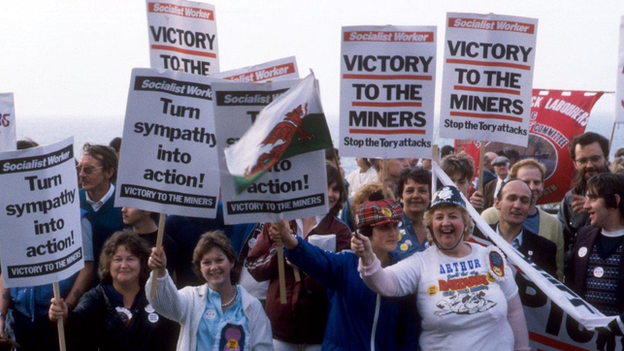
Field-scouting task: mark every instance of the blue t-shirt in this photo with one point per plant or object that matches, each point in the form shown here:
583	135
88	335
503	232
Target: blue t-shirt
217	327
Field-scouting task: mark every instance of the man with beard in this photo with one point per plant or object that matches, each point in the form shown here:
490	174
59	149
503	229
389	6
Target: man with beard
590	154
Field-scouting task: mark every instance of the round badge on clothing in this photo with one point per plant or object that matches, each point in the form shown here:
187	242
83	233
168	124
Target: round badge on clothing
211	313
598	272
152	317
404	247
582	251
149	308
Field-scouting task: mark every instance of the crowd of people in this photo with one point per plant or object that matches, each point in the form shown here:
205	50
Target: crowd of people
391	265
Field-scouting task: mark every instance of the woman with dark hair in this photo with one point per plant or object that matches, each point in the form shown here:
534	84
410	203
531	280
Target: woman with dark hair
358	318
466	293
115	315
218	315
414	193
300	323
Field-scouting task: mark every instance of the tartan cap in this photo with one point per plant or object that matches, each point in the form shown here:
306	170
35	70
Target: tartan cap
379	212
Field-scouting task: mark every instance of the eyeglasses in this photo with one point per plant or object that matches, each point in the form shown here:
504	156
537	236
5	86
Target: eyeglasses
87	169
593	159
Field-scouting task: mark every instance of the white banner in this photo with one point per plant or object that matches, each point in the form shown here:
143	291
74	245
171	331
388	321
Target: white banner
619	90
8	138
557	318
387	90
183	36
168	160
284	68
40	232
488	78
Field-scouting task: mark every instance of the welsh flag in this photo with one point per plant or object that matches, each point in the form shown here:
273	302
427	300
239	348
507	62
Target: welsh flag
291	125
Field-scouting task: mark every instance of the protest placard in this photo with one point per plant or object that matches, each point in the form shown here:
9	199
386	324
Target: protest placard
619	90
487	77
8	139
284	68
40	235
168	160
183	36
273	173
387	88
557	116
236	107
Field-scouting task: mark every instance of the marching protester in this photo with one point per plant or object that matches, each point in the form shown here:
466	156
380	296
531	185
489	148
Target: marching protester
596	268
96	173
23	310
513	203
358	319
590	154
390	176
300	323
490	191
217	313
538	221
361	176
143	223
466	295
115	315
460	168
414	193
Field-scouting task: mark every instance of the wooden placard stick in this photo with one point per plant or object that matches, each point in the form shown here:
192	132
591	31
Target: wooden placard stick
159	241
435	157
481	166
59	323
280	268
612	134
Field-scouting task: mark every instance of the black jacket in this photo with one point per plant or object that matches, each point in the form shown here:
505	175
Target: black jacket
539	250
96	323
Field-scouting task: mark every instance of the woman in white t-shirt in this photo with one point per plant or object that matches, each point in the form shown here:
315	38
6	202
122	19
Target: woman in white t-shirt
466	293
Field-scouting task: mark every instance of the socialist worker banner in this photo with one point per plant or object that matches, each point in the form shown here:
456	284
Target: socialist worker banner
183	36
619	90
488	77
556	117
387	90
40	232
8	140
284	68
168	160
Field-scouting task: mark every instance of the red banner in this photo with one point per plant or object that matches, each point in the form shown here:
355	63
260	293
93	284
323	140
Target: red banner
556	117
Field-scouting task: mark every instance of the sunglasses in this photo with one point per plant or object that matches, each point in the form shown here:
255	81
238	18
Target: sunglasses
87	169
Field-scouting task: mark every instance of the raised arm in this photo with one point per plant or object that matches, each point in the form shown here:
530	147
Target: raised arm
381	281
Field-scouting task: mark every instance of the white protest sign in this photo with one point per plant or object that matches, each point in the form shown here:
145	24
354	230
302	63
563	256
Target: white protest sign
619	90
284	68
387	88
40	232
168	161
295	187
183	36
8	139
488	78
